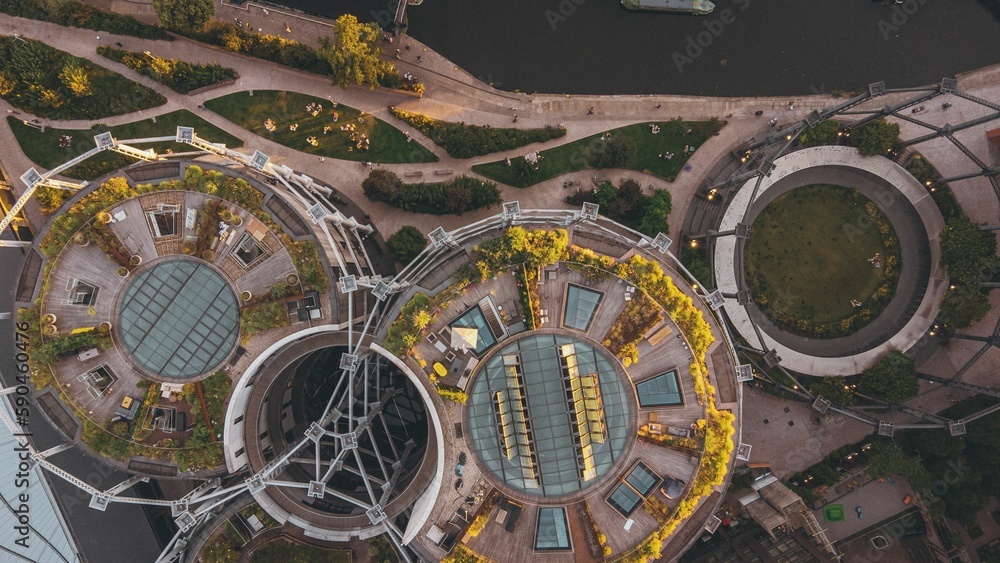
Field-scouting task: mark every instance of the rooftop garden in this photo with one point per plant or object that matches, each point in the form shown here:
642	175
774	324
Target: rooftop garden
319	126
536	248
207	398
466	141
47	82
657	148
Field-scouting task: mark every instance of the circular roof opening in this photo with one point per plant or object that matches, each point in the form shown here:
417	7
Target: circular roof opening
548	415
178	319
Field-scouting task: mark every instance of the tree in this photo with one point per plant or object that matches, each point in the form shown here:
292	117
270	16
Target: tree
612	153
382	185
823	134
893	378
832	387
963	306
887	459
75	77
967	252
354	54
184	15
875	137
406	243
657	211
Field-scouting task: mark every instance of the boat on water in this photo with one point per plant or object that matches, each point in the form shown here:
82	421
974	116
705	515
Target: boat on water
695	7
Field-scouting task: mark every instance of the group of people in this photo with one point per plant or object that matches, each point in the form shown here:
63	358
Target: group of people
312	141
666	155
314	109
269	125
65	141
654	128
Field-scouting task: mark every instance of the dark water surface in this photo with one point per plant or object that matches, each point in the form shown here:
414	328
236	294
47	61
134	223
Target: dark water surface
745	47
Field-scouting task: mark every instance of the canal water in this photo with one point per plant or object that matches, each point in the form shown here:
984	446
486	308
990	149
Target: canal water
745	47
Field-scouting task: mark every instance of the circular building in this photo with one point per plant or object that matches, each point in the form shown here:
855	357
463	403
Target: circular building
896	203
519	414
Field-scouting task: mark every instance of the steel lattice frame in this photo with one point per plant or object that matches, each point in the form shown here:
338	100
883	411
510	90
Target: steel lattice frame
780	141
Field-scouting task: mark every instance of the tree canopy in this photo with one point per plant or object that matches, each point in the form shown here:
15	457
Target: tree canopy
893	378
887	459
963	306
354	54
875	137
462	194
612	153
823	134
967	252
184	15
406	243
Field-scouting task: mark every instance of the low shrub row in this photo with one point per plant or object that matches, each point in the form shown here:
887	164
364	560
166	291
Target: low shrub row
74	14
180	76
47	82
466	141
456	197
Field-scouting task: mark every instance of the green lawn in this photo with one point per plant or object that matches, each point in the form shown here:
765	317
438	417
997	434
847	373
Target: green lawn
44	149
572	157
807	255
388	144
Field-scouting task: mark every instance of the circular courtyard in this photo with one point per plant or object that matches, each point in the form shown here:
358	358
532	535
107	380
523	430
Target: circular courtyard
178	319
548	415
822	261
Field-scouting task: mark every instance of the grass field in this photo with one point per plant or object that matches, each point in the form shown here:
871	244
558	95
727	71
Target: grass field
388	144
572	157
808	253
44	150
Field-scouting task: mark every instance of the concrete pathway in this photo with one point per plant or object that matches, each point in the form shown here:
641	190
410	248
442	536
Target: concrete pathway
450	95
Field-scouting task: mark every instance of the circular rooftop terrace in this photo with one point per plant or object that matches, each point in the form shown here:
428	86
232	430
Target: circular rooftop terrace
548	415
178	319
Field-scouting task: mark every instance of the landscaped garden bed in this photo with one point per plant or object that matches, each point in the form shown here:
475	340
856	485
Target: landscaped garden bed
47	82
55	146
822	261
318	126
74	14
180	76
633	147
462	194
639	316
466	141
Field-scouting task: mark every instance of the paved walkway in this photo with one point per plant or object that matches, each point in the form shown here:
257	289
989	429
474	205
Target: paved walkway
451	94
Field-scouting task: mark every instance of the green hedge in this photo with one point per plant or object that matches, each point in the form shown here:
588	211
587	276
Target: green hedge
74	14
462	194
279	50
466	141
179	76
47	82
